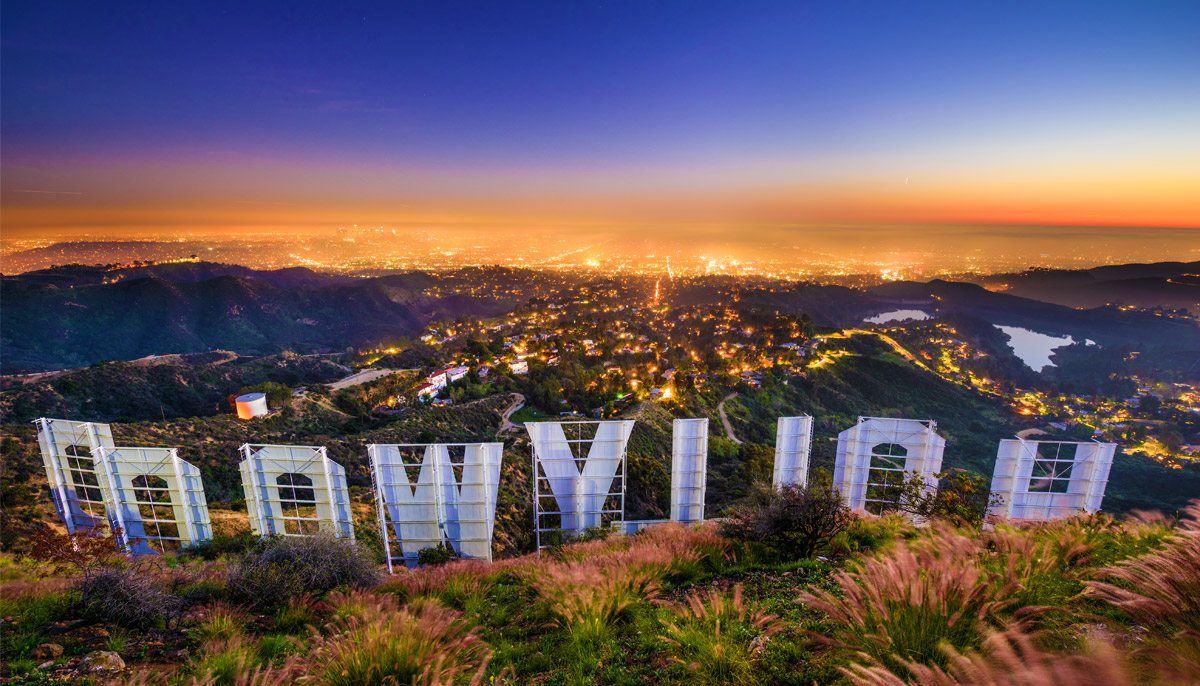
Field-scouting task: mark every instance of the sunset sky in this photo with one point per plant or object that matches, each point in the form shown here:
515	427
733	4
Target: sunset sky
124	117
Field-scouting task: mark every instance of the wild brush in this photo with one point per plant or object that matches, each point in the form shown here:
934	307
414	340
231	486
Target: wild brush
686	544
718	637
1008	658
279	569
127	597
386	644
904	605
241	675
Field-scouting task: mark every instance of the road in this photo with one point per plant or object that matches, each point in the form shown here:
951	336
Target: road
914	359
725	418
900	350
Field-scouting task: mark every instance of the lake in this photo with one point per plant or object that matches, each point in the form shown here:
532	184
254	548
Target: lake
1035	348
896	316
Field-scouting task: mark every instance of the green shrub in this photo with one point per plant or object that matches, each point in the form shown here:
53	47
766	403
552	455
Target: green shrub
282	568
870	534
222	544
436	555
221	621
795	521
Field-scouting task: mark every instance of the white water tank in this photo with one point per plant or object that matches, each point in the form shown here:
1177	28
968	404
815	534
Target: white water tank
251	405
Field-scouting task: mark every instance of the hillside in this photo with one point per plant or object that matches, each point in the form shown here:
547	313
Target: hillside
45	327
196	385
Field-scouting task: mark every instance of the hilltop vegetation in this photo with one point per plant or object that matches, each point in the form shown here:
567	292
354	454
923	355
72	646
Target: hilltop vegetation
1089	600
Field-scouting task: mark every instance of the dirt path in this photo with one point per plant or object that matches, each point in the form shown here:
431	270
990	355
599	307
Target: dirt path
518	401
361	377
725	418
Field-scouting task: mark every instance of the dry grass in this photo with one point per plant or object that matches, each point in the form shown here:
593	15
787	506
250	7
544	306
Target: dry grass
467	578
904	605
1163	587
719	637
1161	591
586	598
1007	659
386	644
220	619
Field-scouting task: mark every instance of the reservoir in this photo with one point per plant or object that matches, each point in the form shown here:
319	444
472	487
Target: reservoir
1035	348
896	316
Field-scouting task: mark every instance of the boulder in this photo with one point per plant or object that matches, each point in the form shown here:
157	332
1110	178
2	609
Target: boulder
101	662
47	651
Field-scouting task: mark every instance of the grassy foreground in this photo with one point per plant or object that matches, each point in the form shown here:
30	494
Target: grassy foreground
1089	600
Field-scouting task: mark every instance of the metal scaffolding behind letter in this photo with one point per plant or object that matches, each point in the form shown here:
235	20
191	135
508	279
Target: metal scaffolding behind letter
1044	480
580	484
793	443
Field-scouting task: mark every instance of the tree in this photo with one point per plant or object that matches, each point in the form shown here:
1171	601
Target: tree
84	551
796	521
961	497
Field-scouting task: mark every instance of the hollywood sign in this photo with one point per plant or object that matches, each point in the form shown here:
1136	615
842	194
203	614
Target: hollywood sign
429	495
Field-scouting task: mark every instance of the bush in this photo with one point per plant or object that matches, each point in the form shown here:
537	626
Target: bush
436	555
126	597
281	568
796	521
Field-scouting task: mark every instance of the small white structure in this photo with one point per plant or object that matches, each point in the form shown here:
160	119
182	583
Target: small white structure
878	454
429	494
1044	480
578	472
519	367
793	444
689	469
155	499
294	490
158	499
251	405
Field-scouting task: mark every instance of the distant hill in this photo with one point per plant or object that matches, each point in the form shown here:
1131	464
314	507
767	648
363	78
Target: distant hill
86	275
1105	325
1170	285
49	327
